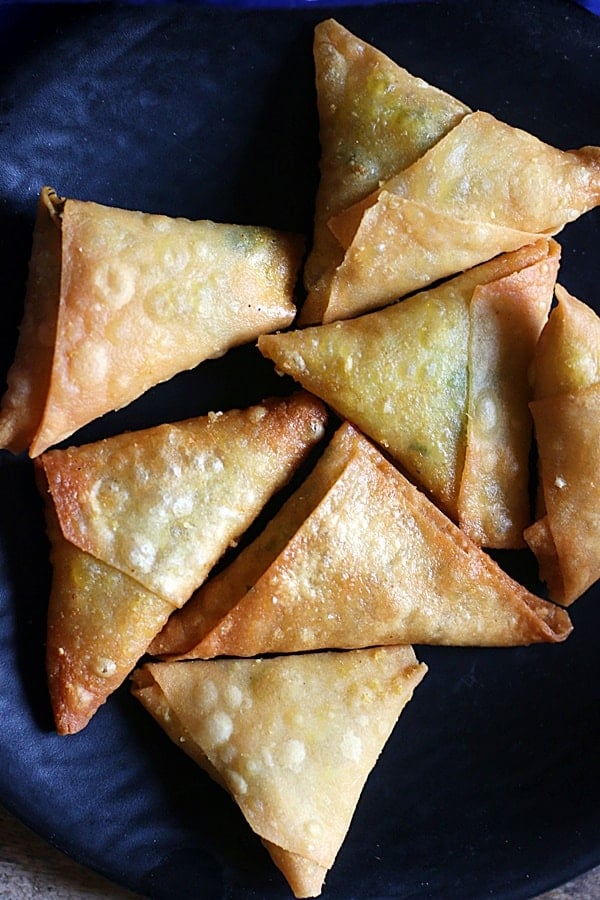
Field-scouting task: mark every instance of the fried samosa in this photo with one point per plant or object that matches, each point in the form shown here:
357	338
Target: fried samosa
293	739
137	521
118	301
375	119
484	188
566	413
403	375
366	560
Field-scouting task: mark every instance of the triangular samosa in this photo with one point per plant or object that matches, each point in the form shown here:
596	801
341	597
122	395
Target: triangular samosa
483	189
292	738
373	562
566	413
375	119
118	301
137	521
162	504
402	373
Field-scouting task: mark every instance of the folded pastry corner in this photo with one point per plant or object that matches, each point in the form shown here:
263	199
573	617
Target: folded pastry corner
99	624
137	521
304	876
375	119
484	188
292	738
359	557
119	301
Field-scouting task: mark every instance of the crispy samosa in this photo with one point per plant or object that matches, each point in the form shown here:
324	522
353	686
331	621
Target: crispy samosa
483	189
566	413
118	301
371	562
293	739
375	119
137	521
402	375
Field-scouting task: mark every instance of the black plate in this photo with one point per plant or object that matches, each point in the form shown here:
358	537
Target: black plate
489	785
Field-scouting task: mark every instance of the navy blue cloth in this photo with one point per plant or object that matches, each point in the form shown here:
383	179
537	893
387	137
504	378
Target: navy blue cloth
592	5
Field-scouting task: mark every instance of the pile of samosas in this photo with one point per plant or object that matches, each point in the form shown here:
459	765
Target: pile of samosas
429	339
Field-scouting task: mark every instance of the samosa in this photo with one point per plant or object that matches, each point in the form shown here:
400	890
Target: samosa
293	739
358	557
119	301
375	119
484	188
566	413
137	521
412	375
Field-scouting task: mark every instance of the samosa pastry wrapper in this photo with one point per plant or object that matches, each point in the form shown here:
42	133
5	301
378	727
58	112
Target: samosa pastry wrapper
100	623
566	427
293	739
507	317
486	170
402	246
539	539
401	373
377	563
141	298
304	876
217	596
375	118
483	185
567	359
567	356
566	381
28	378
163	504
89	656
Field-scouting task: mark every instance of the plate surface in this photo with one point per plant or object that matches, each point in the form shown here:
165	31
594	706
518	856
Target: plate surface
489	784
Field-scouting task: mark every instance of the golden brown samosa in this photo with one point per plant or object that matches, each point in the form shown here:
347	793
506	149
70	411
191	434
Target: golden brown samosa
118	301
293	739
375	119
402	373
484	188
370	562
137	521
566	412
